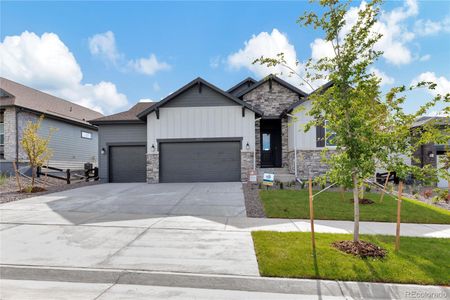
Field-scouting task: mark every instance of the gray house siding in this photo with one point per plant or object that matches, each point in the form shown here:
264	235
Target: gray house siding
117	134
199	96
70	151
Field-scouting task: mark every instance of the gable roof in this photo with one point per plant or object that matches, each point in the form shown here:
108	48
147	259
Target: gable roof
16	94
129	116
438	120
276	79
246	83
321	89
190	85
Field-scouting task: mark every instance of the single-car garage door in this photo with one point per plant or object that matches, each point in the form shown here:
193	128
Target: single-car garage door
127	164
200	161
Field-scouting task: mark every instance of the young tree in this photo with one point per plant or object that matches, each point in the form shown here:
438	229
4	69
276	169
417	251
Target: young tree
35	146
364	125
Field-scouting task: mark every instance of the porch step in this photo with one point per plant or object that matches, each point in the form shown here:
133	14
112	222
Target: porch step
281	174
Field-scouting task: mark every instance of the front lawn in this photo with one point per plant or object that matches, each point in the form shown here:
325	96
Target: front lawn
419	261
330	206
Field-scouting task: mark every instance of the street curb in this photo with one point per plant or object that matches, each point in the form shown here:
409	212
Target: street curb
226	282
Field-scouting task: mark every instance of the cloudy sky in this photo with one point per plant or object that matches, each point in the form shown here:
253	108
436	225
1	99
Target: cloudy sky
109	55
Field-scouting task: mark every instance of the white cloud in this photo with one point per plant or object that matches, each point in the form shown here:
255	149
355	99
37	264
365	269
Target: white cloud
385	79
321	49
104	46
269	45
148	66
146	100
443	84
429	27
44	62
425	57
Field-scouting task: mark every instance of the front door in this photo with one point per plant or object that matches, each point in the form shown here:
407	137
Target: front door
271	143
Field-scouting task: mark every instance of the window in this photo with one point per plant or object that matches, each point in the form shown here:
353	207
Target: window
86	135
2	135
329	136
266	141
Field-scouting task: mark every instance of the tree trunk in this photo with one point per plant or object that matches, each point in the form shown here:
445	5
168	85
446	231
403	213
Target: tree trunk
356	208
33	175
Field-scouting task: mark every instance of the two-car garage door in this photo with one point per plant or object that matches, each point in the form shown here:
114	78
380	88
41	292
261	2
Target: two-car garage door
200	161
193	161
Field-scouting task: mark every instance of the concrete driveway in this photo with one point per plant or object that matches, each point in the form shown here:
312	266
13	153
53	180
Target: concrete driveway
162	227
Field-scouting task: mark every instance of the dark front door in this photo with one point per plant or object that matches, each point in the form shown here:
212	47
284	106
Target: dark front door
271	143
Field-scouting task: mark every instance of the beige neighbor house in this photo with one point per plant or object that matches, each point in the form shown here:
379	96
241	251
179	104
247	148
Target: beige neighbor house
75	141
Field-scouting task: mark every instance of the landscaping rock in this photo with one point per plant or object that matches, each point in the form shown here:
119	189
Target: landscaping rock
253	204
363	201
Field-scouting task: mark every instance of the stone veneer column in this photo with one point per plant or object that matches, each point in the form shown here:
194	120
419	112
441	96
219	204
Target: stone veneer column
153	167
309	162
10	133
258	143
246	164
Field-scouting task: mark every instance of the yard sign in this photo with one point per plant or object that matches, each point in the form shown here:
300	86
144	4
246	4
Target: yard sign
268	179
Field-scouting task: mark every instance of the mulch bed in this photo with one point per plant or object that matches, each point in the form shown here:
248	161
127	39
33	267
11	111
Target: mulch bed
361	248
36	189
363	201
253	204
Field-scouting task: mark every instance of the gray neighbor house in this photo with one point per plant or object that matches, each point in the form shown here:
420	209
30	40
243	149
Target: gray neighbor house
201	133
74	142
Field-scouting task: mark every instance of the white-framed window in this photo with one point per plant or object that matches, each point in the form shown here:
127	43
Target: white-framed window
86	135
2	135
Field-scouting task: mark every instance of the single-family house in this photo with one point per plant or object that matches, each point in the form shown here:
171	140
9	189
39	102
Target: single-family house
74	142
201	133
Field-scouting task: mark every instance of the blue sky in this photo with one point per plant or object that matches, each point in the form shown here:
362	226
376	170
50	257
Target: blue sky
109	55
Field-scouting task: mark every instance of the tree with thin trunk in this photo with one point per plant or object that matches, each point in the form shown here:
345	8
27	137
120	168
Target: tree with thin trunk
36	147
362	121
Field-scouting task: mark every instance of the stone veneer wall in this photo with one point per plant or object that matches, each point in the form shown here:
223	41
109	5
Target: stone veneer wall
246	164
10	133
272	102
153	168
309	163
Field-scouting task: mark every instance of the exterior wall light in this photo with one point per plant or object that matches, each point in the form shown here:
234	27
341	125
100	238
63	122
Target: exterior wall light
103	151
153	147
247	146
430	154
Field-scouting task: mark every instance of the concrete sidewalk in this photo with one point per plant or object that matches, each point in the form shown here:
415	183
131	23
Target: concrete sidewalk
36	283
15	217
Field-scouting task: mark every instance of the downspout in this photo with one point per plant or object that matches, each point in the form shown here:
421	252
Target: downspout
254	149
295	144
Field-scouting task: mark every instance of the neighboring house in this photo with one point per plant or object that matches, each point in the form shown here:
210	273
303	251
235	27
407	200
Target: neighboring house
432	154
74	142
202	133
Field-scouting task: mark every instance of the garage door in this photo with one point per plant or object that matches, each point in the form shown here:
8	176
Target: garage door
200	162
127	164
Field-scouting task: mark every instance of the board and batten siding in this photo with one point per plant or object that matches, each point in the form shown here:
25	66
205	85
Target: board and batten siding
70	150
303	140
117	134
201	122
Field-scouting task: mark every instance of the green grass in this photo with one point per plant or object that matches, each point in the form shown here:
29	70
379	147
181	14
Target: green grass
330	206
3	178
419	261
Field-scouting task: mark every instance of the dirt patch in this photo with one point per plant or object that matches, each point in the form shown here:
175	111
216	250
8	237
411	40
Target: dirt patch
253	204
35	189
364	201
361	248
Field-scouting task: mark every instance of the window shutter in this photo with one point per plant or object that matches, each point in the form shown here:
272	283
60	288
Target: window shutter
320	136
